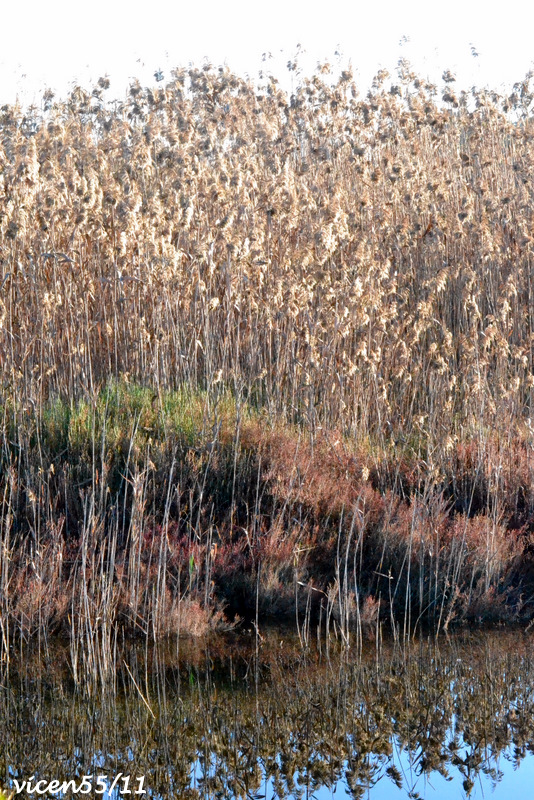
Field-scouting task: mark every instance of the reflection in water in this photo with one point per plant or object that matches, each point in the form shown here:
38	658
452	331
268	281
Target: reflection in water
234	721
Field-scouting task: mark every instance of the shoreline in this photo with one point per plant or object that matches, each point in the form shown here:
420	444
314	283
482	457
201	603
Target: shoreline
141	513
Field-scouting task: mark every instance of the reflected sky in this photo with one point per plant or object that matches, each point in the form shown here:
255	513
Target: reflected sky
450	719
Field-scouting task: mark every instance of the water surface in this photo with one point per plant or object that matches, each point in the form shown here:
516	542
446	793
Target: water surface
264	719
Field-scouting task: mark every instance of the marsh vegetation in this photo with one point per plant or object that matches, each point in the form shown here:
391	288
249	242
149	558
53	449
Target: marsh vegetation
265	354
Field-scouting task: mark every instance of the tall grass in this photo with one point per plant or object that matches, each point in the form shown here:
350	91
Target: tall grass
354	273
362	263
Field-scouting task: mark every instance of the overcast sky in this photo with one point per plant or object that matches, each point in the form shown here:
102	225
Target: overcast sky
55	43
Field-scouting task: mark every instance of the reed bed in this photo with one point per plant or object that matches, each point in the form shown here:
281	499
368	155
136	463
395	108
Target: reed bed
262	349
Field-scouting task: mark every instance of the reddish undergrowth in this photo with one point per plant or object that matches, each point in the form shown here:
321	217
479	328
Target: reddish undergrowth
277	525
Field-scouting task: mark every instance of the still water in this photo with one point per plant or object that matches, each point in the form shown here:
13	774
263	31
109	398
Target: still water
247	718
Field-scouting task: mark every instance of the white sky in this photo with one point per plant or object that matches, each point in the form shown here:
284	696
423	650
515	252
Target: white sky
60	42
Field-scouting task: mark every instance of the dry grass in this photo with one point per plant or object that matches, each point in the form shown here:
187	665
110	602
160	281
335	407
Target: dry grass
361	264
357	272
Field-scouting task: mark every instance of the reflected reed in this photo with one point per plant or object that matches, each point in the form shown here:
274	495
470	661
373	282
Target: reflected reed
221	721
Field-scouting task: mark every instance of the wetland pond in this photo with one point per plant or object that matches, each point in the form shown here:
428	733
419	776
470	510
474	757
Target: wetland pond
241	717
